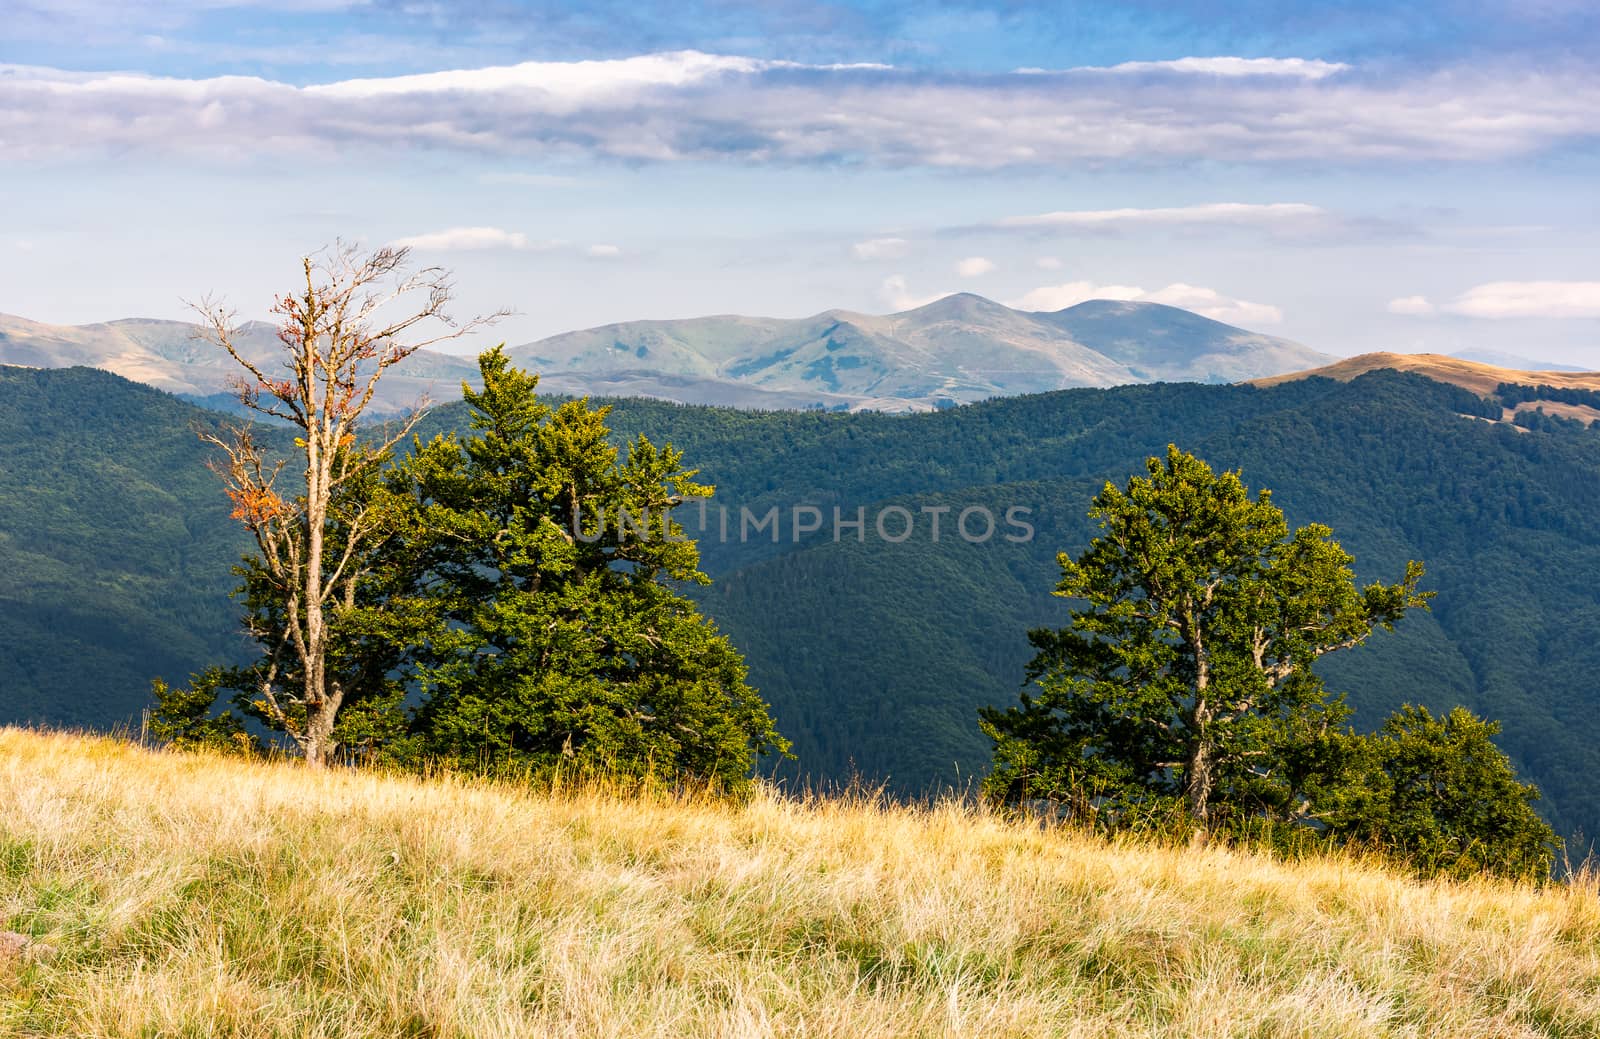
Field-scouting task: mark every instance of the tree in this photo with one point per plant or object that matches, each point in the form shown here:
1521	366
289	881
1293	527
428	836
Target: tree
365	647
339	336
1441	795
1180	678
545	559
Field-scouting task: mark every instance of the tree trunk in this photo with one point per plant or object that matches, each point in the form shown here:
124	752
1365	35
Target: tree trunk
1198	781
319	743
1198	776
319	718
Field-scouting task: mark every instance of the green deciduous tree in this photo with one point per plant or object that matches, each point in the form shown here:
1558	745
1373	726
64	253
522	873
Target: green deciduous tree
1438	793
1185	676
545	560
184	716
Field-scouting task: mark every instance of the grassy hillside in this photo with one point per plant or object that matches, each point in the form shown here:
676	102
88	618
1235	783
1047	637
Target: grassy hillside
175	895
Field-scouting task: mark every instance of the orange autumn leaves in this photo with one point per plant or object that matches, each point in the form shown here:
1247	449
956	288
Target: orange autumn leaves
257	506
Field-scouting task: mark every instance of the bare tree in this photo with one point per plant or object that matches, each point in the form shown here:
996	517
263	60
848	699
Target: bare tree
339	336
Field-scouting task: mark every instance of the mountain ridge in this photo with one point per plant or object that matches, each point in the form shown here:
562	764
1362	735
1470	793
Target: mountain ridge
955	350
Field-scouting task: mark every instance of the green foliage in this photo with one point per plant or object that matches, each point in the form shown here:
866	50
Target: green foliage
520	578
1512	394
364	658
1186	679
1539	421
1439	794
544	556
184	716
1187	672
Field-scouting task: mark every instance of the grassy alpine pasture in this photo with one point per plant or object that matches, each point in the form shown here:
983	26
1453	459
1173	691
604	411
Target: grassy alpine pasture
157	894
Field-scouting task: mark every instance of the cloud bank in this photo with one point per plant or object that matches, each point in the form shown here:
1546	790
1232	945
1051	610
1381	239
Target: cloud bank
1512	299
692	106
880	249
1295	68
1203	301
1279	215
464	238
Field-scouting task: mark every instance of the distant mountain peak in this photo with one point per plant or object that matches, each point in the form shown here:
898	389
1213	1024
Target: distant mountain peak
1108	306
956	303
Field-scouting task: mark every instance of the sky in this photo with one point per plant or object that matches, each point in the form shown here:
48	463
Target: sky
1358	176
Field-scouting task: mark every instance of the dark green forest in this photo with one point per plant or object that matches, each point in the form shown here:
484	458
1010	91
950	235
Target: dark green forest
115	543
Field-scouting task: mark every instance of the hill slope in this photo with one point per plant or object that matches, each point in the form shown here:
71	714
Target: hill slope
171	895
1579	389
1476	376
876	655
114	545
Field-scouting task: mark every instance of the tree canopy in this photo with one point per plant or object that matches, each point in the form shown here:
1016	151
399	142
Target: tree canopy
1202	616
525	593
1436	791
545	567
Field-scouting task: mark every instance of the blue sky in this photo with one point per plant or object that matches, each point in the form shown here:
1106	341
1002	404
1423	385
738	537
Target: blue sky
1359	176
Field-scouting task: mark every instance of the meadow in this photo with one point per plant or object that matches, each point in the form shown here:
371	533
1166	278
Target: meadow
163	894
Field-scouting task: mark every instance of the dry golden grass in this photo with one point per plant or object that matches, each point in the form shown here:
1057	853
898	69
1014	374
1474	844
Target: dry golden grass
1482	379
193	896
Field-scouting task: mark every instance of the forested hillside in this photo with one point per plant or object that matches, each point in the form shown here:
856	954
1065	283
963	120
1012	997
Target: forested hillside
114	544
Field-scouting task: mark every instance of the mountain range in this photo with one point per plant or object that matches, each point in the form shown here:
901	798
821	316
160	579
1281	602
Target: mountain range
956	350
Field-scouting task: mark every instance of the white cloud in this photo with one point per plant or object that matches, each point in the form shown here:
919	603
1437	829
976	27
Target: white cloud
689	106
1203	301
880	249
458	238
1059	297
1294	68
569	81
1249	214
1412	306
897	294
1048	263
1212	304
1507	299
975	267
